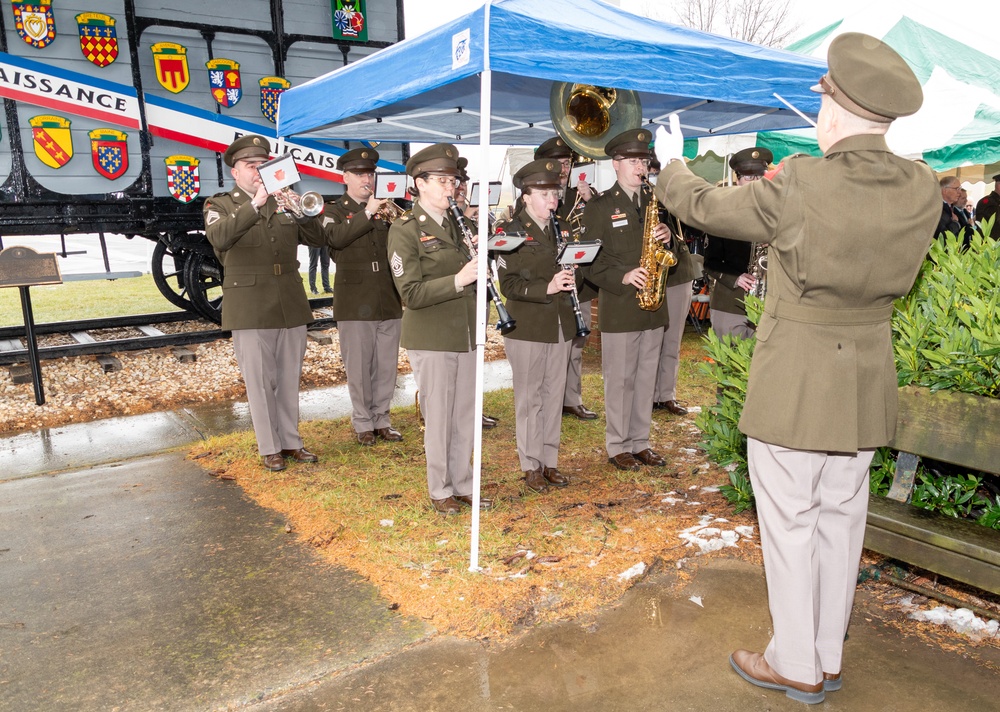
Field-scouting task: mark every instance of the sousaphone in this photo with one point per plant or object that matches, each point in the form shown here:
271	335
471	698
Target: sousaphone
586	117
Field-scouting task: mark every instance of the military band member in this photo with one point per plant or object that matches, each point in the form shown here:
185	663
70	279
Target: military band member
365	302
436	281
264	302
847	234
727	261
631	337
538	298
572	198
988	206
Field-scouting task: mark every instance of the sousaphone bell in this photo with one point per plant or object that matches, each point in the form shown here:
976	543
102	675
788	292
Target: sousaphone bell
586	116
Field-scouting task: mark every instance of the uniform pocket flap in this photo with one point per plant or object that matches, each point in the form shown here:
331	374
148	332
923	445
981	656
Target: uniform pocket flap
239	280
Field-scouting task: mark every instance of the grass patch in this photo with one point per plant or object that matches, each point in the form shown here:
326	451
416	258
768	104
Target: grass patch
543	557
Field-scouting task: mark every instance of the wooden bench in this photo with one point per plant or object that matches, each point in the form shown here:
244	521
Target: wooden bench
956	428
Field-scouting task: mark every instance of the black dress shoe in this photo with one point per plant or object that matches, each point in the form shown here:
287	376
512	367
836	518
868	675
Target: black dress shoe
554	477
650	458
489	423
624	461
389	434
580	411
670	406
275	462
366	438
448	505
300	455
466	499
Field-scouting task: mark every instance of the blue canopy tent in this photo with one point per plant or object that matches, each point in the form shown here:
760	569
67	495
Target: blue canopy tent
486	78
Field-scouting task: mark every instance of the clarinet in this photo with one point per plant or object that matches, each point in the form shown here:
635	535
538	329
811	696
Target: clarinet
581	327
505	325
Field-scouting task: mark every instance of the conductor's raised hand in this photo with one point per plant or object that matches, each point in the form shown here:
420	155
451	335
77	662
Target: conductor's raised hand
669	145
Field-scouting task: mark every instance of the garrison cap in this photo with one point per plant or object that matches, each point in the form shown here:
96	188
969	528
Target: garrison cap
359	160
555	147
249	146
751	161
439	158
868	78
633	143
463	164
543	173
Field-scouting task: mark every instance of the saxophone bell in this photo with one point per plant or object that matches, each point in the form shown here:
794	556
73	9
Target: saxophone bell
656	259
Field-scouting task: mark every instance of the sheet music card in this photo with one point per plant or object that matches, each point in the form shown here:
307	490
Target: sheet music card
582	172
579	253
494	197
505	241
390	185
278	173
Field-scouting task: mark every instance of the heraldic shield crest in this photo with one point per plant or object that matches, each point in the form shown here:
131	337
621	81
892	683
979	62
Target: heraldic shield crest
224	81
98	38
270	89
182	177
35	22
52	140
109	151
171	64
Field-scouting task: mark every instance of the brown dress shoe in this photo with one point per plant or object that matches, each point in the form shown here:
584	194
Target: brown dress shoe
489	422
832	682
554	477
389	434
650	458
275	462
367	438
624	461
448	505
535	480
466	499
580	411
300	455
671	406
753	668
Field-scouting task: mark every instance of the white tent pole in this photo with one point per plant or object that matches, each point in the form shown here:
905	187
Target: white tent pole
485	97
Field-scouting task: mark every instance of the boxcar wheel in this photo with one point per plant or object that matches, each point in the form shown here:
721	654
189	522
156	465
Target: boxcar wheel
168	274
203	275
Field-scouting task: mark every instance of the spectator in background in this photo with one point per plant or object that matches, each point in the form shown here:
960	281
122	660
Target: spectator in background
988	207
320	256
949	222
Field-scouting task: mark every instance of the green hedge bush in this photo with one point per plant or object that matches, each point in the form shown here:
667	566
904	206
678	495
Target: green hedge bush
946	336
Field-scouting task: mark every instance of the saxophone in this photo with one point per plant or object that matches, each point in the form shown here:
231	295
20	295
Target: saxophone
758	269
656	259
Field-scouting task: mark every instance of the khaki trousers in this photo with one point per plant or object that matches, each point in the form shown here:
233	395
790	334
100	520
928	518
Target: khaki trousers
370	350
812	508
539	375
629	364
447	384
271	363
573	395
734	324
678	306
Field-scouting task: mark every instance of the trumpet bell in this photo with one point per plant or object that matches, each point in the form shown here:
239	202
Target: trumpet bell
586	116
311	204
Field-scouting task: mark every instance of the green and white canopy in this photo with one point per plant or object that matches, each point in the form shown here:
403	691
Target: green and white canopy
957	129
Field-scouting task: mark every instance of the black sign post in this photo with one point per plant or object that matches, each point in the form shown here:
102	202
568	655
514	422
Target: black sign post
22	267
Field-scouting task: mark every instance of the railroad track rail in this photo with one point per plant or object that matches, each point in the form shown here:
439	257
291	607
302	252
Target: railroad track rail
141	333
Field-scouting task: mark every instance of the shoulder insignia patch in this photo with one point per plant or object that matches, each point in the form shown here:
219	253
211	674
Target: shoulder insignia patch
396	263
212	217
502	263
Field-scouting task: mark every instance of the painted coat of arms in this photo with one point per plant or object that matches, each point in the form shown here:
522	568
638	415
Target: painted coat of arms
224	81
270	89
170	61
98	38
183	180
52	140
109	152
35	22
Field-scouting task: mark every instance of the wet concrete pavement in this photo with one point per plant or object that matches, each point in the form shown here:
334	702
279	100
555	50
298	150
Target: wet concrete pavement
130	580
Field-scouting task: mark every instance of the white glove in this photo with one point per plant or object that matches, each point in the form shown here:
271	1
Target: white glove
669	145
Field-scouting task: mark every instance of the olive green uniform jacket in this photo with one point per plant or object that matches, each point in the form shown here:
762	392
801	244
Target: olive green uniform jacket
525	274
363	289
848	233
424	258
613	219
262	287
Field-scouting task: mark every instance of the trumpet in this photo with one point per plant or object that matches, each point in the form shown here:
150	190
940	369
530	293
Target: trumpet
389	212
307	205
505	323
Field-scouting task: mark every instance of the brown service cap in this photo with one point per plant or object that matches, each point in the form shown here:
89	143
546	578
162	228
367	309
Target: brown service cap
543	173
751	161
996	177
868	78
555	147
439	158
633	143
359	160
463	164
249	146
